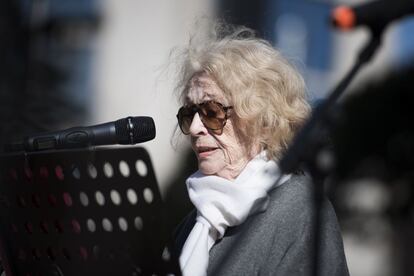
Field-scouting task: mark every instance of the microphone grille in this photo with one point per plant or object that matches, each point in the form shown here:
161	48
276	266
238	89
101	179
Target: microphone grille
133	130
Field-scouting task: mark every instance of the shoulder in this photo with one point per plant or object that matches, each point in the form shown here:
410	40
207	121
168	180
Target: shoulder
296	199
297	189
292	201
293	209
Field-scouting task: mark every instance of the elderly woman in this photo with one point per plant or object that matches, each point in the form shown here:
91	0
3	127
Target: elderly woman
242	103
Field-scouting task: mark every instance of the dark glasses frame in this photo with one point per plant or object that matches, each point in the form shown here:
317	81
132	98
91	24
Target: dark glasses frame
214	124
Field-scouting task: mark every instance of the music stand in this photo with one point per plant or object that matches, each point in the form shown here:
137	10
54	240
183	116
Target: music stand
83	212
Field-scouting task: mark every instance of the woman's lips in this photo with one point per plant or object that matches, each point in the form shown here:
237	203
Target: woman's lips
205	151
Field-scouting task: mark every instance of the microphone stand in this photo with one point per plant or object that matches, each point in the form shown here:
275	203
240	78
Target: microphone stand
307	148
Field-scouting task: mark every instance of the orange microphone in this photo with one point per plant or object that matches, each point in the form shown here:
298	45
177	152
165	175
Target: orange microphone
375	15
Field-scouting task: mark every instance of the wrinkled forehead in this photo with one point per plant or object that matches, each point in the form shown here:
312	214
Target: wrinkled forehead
203	88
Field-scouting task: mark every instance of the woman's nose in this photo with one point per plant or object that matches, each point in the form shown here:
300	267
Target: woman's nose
197	127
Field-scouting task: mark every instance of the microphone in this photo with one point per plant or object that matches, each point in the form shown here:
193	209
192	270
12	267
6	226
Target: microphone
375	15
127	131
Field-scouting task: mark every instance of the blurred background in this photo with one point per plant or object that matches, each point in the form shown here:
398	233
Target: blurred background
84	62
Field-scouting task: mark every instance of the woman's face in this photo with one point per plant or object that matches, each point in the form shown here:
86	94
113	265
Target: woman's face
222	155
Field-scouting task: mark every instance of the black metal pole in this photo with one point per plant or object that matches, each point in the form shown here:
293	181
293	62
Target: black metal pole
302	148
307	144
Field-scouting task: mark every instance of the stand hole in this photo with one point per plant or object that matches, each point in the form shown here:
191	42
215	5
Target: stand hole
90	224
83	253
83	197
148	195
96	251
138	223
115	197
100	199
59	172
93	173
107	225
141	168
124	168
28	173
132	196
108	170
166	255
76	172
123	224
67	199
76	226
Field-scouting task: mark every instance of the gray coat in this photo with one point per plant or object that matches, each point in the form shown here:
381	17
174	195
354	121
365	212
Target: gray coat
278	241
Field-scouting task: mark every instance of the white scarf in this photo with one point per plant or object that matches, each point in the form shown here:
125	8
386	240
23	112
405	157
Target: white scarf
222	203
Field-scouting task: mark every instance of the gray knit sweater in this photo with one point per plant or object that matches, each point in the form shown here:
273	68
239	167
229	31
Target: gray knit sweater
278	241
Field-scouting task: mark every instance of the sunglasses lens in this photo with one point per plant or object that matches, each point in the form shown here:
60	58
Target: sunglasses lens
185	117
212	115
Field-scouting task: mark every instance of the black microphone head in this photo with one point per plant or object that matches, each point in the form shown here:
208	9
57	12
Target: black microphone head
133	130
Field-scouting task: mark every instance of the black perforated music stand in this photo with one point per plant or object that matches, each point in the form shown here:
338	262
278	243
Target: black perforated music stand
83	212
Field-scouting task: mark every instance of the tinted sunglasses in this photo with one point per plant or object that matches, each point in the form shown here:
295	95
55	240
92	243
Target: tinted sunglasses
213	115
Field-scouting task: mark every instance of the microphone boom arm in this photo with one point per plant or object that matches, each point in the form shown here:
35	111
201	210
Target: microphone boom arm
305	144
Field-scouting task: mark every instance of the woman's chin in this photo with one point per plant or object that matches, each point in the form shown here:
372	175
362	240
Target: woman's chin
206	171
207	167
